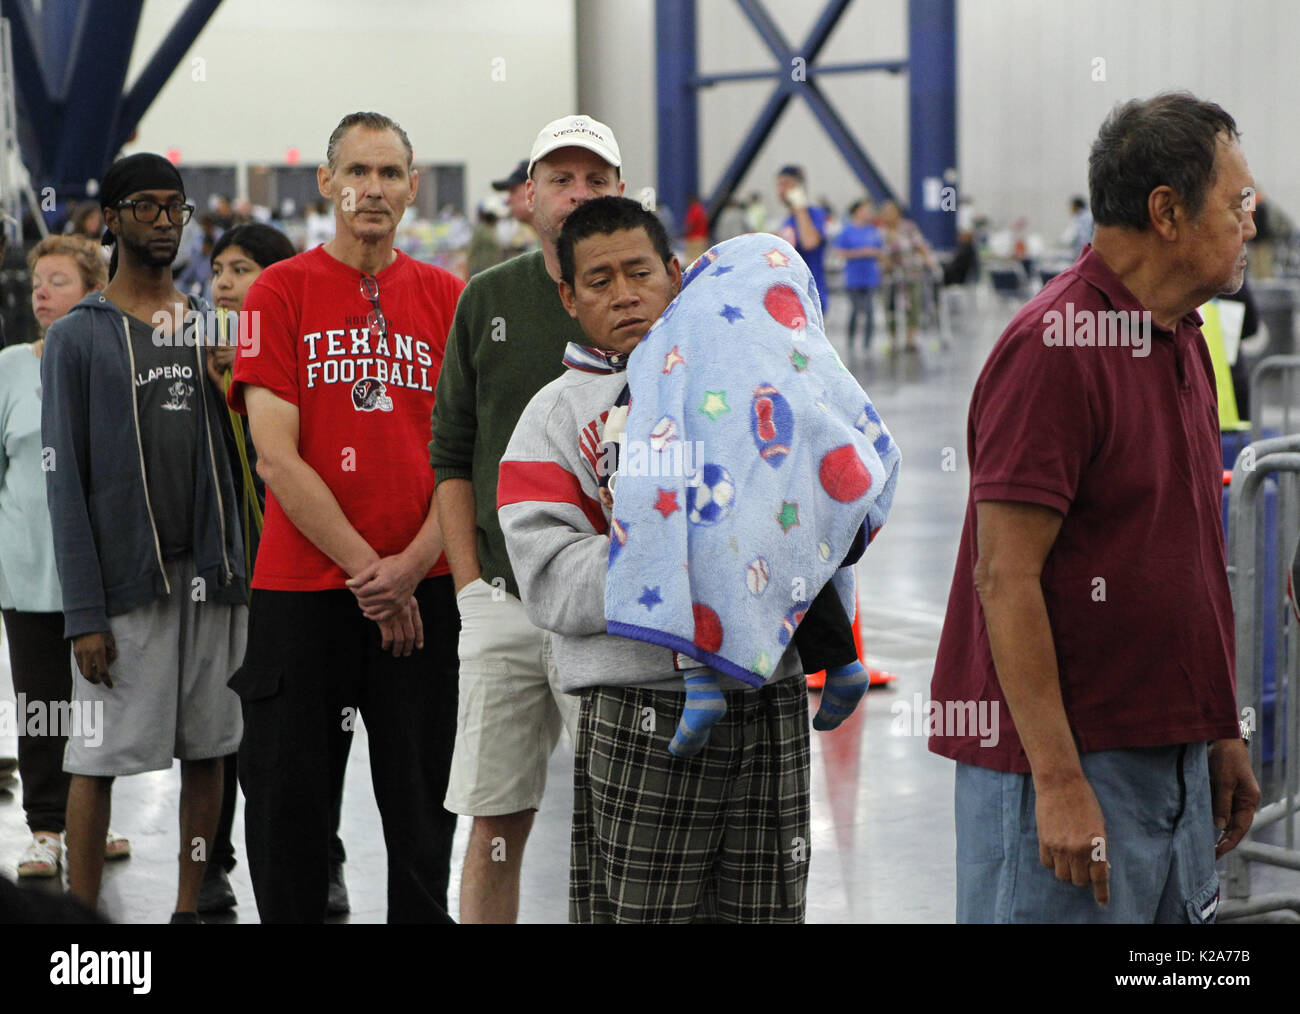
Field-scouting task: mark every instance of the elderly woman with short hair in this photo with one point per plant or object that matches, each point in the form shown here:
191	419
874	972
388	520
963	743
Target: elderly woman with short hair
64	270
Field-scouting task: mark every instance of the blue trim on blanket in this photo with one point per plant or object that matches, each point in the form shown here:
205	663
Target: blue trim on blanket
686	647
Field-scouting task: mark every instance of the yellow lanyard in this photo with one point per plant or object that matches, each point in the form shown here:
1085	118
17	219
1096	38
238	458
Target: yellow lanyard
252	510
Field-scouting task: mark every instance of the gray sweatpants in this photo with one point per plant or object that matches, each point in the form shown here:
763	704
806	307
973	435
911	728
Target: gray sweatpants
169	696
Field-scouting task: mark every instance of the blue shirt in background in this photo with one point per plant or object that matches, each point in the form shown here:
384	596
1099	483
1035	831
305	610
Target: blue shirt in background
815	259
860	272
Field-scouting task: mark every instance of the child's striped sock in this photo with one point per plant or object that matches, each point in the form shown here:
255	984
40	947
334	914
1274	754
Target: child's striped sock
844	688
704	706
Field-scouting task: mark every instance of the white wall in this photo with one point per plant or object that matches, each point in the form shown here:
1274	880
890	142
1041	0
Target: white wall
279	74
1028	108
616	83
874	106
616	79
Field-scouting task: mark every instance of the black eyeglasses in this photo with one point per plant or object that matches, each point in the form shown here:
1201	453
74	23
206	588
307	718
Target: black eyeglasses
375	319
147	212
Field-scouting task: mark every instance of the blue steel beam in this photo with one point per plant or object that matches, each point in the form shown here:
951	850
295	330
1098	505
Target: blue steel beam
787	86
59	30
932	105
708	80
932	115
771	112
678	120
844	140
767	30
70	66
823	27
101	51
776	41
165	60
748	151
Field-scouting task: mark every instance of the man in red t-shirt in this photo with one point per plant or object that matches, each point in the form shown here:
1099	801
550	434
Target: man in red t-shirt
1087	654
336	370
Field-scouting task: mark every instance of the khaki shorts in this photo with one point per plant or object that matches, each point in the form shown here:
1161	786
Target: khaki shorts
510	711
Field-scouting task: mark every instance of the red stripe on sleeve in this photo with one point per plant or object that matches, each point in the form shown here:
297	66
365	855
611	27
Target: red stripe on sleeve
546	482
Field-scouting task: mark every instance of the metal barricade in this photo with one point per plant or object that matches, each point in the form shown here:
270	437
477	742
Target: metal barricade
1267	700
1275	397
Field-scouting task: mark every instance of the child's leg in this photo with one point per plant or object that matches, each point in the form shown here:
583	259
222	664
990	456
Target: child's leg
704	706
825	641
844	687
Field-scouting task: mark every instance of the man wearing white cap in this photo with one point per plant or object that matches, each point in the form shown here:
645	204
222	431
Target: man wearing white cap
506	343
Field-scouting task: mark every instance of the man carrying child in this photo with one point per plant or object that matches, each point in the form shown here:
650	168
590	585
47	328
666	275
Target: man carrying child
718	833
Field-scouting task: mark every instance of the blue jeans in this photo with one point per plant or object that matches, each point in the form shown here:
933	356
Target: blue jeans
1160	839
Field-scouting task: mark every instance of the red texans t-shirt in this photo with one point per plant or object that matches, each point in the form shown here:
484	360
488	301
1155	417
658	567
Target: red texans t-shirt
364	399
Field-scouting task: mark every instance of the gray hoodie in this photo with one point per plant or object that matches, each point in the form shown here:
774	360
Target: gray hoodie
556	533
105	538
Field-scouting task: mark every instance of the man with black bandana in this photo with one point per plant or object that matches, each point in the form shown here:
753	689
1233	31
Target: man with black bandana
147	542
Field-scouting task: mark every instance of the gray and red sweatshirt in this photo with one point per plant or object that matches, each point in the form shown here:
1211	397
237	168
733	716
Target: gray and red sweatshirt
557	532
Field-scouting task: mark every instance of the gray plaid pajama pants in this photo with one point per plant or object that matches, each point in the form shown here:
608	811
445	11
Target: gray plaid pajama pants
719	837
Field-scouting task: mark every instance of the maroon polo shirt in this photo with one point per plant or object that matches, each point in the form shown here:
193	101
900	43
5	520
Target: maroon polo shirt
1127	449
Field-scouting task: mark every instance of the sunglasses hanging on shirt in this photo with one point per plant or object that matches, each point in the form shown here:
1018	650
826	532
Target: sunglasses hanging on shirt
376	322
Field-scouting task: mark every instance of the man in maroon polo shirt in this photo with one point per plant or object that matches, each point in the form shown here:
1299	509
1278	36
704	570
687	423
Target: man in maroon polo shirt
1089	615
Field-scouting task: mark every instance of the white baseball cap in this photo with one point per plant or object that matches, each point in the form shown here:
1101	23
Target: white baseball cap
576	131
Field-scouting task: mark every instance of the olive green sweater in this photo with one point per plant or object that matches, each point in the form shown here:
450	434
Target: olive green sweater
507	342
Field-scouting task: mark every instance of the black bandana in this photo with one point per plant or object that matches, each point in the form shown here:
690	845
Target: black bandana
130	175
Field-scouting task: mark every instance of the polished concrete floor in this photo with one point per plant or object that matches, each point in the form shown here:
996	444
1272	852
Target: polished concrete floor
882	822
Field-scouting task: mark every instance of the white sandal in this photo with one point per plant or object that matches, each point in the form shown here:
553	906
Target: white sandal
42	858
115	846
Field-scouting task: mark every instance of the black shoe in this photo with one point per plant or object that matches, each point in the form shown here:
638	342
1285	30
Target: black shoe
215	893
338	898
185	919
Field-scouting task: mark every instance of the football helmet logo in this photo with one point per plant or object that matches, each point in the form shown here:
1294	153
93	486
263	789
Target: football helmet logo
368	395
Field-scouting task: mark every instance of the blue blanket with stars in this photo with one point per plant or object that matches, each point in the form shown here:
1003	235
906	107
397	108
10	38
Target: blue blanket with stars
751	464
